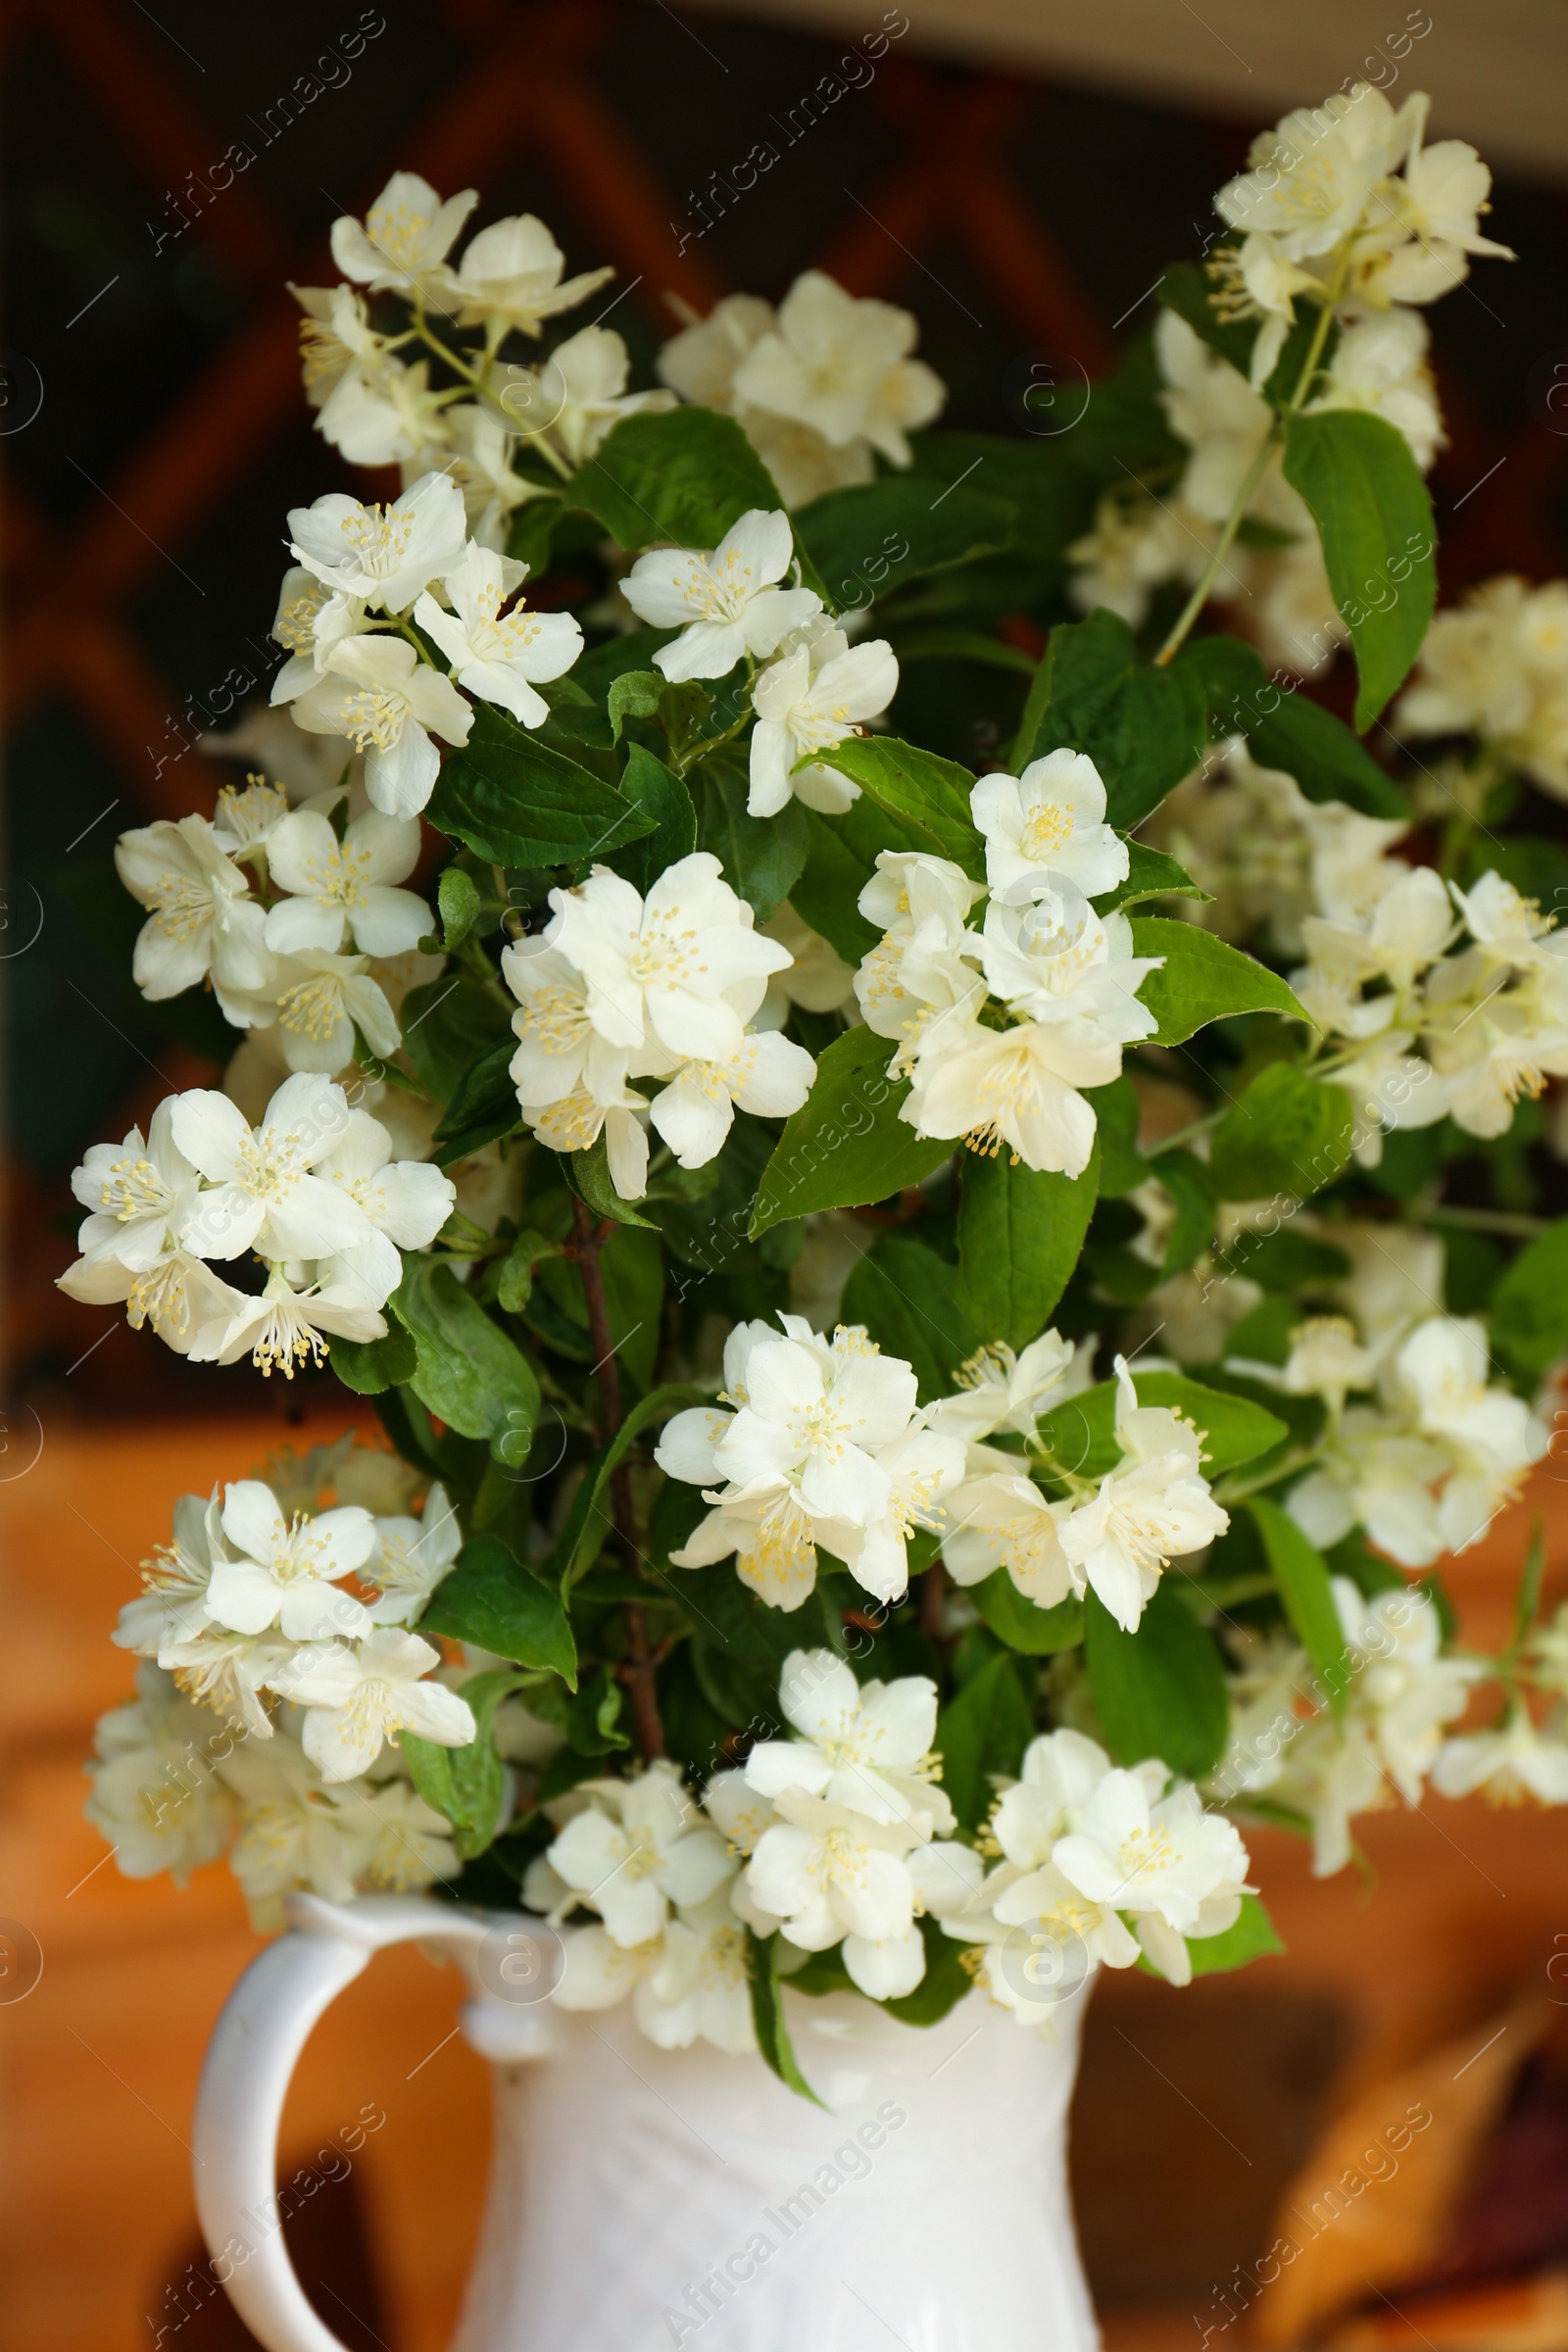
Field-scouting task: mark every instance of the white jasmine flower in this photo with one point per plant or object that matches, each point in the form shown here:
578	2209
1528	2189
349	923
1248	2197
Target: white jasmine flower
1312	176
1017	1087
582	391
284	1575
815	1415
1046	822
1403	1688
702	1988
171	1606
410	1556
356	1699
313	1007
830	1872
345	886
403	241
1057	960
725	603
1509	1764
574	1123
176	1293
1060	1773
923	1469
769	1533
404	1203
378	694
384	554
502	660
293	1831
155	1795
918	969
598	1972
312	619
842	367
652	1850
815	694
816	978
768	1075
683	969
285	1325
1179	1870
370	406
139	1193
1000	1519
1491	1435
246	817
561	1052
202	916
1326	1359
998	1389
262	1192
1153	1506
1380	367
1435	211
864	1747
510	277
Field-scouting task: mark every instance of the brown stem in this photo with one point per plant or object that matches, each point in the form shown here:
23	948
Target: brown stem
589	1239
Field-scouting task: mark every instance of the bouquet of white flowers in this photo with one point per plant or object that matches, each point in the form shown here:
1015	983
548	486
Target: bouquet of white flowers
876	1496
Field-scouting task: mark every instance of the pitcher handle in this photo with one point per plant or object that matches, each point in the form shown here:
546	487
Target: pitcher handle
254	2050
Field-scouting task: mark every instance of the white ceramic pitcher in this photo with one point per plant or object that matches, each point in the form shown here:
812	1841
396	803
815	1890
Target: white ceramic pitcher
644	2198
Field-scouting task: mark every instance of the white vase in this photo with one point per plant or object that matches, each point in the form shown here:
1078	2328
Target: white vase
644	2198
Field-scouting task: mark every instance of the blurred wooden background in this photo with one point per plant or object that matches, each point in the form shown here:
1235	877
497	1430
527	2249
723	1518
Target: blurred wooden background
1195	2110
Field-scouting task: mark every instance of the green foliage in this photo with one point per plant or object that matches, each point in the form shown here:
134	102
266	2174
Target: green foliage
1203	979
483	1105
911	1303
1082	1433
767	2015
762	856
1288	1133
985	1730
1152	875
1529	1308
467	1370
467	1783
516	801
684	476
1144	728
1374	516
840	860
589	1520
1252	1937
1019	1235
650	786
928	795
846	1147
457	898
1016	1619
370	1367
490	1598
871	539
1302	1574
1158	1692
942	1988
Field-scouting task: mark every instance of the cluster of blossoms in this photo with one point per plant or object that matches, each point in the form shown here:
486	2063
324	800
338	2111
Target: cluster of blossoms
1000	1029
843	1838
313	1190
1096	1865
816	688
1496	667
821	387
1346	211
1436	1000
825	1447
280	1671
620	987
1432	1453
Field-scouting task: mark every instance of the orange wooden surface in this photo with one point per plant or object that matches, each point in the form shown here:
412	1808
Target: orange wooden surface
98	2065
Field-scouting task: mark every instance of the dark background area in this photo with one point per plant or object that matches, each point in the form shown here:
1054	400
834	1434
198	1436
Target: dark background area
155	433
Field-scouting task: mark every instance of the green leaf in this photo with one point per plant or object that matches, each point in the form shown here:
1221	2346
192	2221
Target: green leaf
1187	1181
1301	1575
1253	1937
457	898
762	856
448	1023
1159	1692
1116	1109
467	1372
929	794
637	693
768	2013
1326	759
1021	1623
518	801
1144	728
907	1299
1203	979
846	1147
684	476
872	538
942	1988
984	1729
841	858
1528	1317
1020	1233
1151	875
589	1520
739	1650
490	1598
483	1105
1374	517
466	1784
1082	1433
1287	1133
651	787
370	1367
588	1174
